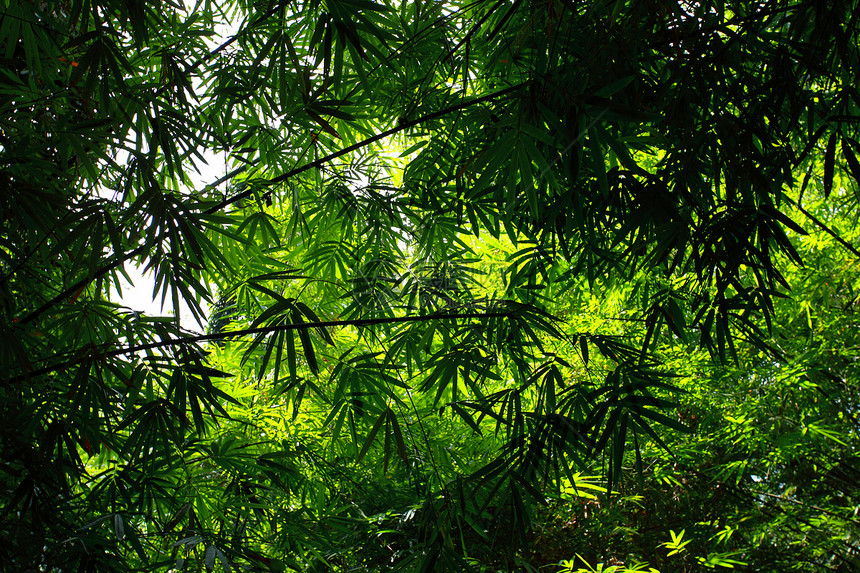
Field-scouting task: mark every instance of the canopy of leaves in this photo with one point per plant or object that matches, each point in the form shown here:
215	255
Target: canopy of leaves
487	285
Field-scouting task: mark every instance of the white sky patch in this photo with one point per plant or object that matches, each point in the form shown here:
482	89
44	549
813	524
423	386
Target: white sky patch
138	295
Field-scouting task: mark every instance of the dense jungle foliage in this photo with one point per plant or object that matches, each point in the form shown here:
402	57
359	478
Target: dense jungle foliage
479	285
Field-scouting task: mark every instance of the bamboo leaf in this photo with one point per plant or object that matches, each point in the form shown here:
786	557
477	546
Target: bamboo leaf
829	162
383	417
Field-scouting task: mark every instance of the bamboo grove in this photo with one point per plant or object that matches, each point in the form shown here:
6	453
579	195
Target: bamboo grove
479	285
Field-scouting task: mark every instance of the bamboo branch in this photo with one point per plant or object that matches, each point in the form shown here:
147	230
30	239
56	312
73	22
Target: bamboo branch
122	258
360	322
828	230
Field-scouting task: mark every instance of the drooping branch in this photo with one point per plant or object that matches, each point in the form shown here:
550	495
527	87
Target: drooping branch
359	322
123	257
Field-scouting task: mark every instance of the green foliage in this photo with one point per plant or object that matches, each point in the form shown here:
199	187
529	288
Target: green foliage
487	286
